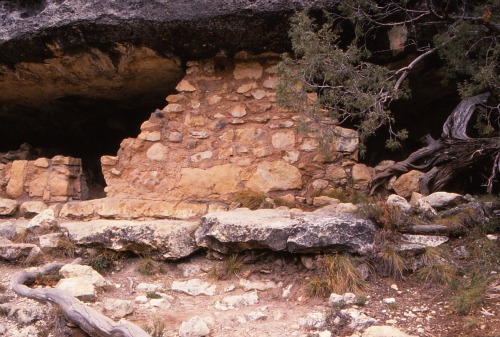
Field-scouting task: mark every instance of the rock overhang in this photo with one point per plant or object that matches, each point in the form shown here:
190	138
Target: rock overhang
189	29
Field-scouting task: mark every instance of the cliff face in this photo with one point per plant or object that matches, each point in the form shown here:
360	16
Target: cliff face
193	29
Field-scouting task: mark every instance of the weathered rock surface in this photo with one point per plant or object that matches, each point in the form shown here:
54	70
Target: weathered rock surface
443	199
276	230
407	183
194	287
117	308
115	208
7	206
14	251
194	327
162	239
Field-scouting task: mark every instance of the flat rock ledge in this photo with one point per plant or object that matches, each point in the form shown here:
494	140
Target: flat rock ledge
285	230
162	239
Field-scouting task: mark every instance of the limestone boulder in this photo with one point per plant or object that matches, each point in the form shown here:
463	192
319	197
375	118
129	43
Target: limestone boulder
194	327
45	219
31	208
117	208
7	207
444	199
8	230
279	231
275	176
346	141
117	308
361	174
162	239
395	200
15	251
407	183
87	272
79	287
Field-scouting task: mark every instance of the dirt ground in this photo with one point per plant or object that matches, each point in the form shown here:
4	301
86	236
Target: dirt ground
417	310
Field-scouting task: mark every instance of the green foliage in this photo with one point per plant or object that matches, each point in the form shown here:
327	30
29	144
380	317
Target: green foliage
153	295
102	260
338	74
471	295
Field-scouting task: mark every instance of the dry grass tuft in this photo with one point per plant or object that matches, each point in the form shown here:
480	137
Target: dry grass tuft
157	328
391	263
250	199
318	288
341	274
436	273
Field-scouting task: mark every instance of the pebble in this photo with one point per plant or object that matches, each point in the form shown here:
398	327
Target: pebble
389	300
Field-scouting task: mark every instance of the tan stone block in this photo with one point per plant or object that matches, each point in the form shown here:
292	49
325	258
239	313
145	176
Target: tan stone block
214	99
42	163
175	98
201	156
109	160
259	94
275	176
408	183
309	145
185	86
251	70
246	88
251	136
281	125
260	152
192	120
38	185
291	157
238	111
324	200
59	186
175	137
284	140
15	186
271	82
361	174
69	161
174	108
221	179
157	152
150	136
226	153
346	140
320	184
335	173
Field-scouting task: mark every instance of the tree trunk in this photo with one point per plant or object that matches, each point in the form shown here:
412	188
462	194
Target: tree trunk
446	158
88	319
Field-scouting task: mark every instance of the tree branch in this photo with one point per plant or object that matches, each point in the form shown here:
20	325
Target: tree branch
405	71
88	319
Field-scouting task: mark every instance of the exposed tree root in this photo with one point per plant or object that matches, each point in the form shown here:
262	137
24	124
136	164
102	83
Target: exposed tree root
88	319
446	158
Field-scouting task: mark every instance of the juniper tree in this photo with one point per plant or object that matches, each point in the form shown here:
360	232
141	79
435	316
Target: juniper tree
341	70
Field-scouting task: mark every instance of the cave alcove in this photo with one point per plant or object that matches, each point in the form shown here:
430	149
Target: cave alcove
86	110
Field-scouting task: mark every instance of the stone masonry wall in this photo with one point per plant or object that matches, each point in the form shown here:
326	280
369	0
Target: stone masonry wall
223	133
53	180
